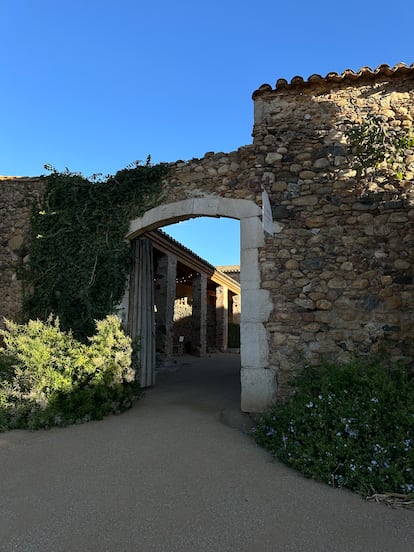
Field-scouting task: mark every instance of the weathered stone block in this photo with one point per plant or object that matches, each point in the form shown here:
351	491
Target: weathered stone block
393	302
256	305
278	339
360	284
321	163
323	304
255	350
324	317
251	233
315	222
15	242
337	283
304	303
259	388
273	157
291	264
305	201
402	264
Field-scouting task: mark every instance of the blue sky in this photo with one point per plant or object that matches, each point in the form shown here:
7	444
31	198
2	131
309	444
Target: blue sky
94	85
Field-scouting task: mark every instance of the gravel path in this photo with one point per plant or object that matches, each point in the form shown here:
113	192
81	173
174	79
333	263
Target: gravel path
177	473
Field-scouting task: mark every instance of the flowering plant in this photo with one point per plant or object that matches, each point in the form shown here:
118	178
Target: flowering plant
349	426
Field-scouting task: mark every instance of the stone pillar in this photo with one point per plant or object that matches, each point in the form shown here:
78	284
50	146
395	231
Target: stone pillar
199	316
236	310
165	293
258	379
222	317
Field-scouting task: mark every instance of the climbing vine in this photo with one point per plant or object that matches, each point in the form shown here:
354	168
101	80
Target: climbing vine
374	146
79	259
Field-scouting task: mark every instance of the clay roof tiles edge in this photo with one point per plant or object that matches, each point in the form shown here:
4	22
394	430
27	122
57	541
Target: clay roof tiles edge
332	77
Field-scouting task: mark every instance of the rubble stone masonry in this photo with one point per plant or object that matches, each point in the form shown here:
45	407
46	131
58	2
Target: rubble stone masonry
339	265
17	196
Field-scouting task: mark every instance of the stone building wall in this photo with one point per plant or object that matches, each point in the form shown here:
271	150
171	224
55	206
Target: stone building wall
338	267
16	199
182	321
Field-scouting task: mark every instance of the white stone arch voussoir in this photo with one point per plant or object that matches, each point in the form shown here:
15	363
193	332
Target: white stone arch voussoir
258	380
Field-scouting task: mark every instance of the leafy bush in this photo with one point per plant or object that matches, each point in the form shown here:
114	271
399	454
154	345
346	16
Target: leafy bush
349	426
48	378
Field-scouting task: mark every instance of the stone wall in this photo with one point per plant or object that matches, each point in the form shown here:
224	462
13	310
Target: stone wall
182	321
340	267
183	324
16	199
337	271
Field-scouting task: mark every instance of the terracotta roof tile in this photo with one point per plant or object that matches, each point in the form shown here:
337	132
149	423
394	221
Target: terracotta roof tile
347	75
229	268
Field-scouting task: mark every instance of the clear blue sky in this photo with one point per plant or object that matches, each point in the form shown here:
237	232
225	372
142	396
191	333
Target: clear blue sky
93	85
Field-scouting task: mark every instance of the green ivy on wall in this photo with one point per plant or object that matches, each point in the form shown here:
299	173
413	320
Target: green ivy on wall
79	259
373	144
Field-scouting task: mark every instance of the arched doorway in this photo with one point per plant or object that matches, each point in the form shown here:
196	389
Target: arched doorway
258	380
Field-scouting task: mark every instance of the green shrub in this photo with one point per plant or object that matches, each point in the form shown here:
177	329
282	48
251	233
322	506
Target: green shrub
49	378
349	426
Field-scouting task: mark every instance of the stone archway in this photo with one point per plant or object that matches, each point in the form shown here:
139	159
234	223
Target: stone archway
258	380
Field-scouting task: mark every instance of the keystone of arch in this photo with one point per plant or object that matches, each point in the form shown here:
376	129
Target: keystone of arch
212	206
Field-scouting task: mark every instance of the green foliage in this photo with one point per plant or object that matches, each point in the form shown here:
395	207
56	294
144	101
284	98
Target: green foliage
373	144
48	378
79	260
349	426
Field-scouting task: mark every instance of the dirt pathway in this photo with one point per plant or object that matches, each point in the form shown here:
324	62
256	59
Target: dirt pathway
169	476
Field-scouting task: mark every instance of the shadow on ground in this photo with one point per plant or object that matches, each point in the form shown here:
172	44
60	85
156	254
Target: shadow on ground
210	384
